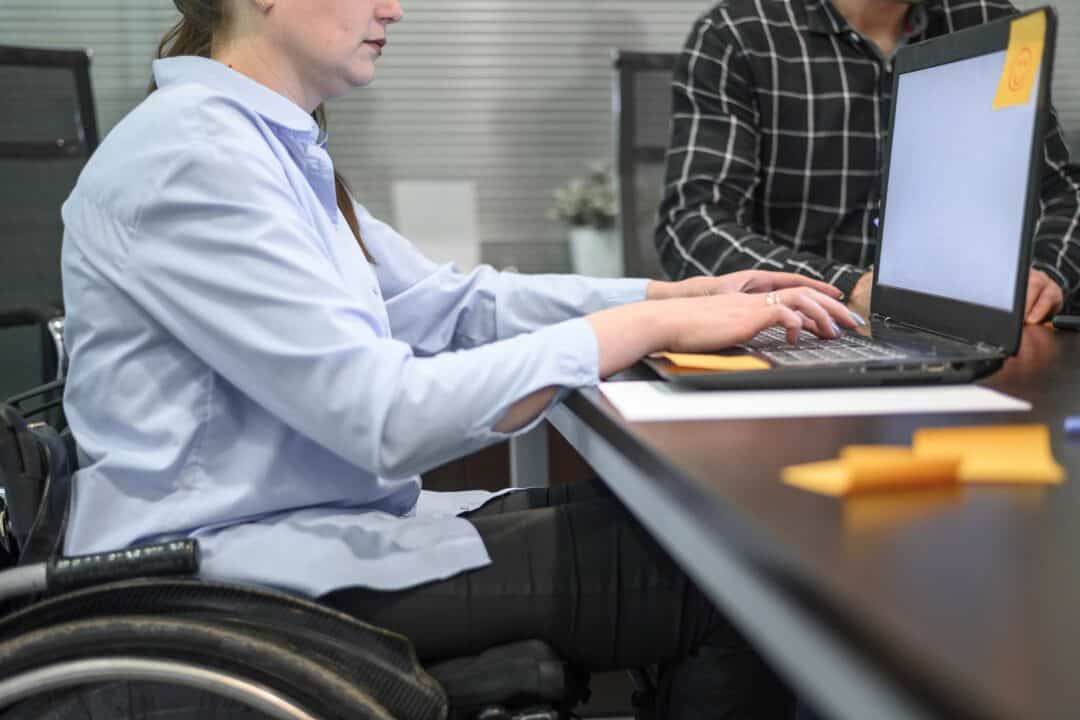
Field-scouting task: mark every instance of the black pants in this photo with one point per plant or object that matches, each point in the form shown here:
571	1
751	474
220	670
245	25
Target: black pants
571	567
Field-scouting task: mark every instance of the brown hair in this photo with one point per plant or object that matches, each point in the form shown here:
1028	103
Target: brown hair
193	34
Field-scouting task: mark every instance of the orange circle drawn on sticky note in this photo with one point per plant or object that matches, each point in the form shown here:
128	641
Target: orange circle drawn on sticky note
1021	69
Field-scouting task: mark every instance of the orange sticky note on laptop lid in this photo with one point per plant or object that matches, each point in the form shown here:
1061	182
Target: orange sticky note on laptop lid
1027	41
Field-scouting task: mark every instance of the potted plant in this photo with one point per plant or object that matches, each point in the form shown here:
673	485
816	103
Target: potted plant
587	206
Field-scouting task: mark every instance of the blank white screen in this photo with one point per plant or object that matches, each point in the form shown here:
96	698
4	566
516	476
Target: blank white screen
958	176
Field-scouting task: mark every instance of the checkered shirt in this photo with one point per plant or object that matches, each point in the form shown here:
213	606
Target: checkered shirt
779	123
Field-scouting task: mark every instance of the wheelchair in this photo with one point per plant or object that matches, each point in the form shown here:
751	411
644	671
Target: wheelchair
134	634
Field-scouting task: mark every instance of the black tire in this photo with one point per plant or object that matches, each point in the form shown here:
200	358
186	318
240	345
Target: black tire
309	685
135	700
380	663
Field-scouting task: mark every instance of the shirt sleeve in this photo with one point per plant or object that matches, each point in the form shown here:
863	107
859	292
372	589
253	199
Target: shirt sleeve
228	263
713	172
436	308
1057	236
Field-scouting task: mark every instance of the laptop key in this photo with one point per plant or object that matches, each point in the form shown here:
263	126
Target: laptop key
812	350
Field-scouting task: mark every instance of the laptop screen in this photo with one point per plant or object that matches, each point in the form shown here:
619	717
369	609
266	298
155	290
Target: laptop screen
957	186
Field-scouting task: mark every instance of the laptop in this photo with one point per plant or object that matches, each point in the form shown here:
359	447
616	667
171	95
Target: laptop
961	187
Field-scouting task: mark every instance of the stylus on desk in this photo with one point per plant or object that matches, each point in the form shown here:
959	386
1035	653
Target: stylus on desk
1066	322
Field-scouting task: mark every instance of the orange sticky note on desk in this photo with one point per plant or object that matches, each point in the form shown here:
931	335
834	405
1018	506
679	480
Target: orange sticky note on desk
1027	40
730	363
994	454
1015	454
865	468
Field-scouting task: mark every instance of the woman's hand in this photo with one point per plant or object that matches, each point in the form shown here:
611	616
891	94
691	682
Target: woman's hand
744	281
703	323
707	323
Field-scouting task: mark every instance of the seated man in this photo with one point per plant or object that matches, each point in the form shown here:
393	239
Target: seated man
780	115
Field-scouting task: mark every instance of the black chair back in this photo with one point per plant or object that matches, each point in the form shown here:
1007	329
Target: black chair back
642	131
47	132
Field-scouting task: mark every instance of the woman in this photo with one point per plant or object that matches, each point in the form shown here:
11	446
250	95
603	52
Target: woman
259	363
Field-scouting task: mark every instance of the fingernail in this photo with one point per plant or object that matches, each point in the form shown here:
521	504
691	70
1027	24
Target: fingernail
836	329
857	318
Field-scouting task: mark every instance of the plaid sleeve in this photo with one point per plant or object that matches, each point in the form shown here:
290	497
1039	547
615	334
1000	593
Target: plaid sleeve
1057	236
713	171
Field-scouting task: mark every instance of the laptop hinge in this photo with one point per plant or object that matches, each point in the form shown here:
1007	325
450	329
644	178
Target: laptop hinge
979	345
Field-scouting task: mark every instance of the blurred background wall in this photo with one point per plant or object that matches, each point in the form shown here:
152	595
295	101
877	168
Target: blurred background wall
481	107
488	103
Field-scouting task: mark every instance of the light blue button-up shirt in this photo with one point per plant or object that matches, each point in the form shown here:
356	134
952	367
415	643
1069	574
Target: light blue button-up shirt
241	374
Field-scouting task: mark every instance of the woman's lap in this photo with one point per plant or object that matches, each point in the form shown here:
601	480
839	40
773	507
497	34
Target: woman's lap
569	566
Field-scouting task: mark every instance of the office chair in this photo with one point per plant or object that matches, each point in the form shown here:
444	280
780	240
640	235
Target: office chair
135	635
642	108
47	132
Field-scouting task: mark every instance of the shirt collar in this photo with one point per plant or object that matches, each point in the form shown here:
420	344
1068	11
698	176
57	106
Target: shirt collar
822	17
271	106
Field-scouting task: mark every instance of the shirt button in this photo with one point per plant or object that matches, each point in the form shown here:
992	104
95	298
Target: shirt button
855	38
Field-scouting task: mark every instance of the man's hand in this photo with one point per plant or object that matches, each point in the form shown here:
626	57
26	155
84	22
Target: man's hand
1045	298
859	301
744	281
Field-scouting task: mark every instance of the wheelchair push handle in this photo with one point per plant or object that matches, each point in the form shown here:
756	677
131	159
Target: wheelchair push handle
176	557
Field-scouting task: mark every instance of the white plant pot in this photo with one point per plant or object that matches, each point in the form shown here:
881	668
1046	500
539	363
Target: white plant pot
596	253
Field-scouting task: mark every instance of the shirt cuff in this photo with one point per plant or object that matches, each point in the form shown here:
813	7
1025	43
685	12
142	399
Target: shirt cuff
621	291
567	356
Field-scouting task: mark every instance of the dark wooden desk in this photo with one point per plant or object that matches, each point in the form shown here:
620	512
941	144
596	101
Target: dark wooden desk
938	603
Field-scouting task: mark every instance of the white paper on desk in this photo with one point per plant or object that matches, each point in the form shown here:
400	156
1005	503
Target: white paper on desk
644	401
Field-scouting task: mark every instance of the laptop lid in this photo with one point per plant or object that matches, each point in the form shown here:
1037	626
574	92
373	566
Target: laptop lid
964	163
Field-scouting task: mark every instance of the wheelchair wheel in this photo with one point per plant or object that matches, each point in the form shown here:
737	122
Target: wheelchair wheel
178	666
381	663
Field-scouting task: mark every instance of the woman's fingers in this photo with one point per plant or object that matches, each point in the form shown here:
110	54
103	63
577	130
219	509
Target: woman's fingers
790	320
780	281
808	323
826	313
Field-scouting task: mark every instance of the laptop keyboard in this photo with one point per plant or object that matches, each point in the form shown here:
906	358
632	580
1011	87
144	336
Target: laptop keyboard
772	344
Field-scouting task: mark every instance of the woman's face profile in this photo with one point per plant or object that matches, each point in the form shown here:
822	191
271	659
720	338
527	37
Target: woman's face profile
332	44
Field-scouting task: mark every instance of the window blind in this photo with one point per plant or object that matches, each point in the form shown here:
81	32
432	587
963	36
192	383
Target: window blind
514	95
